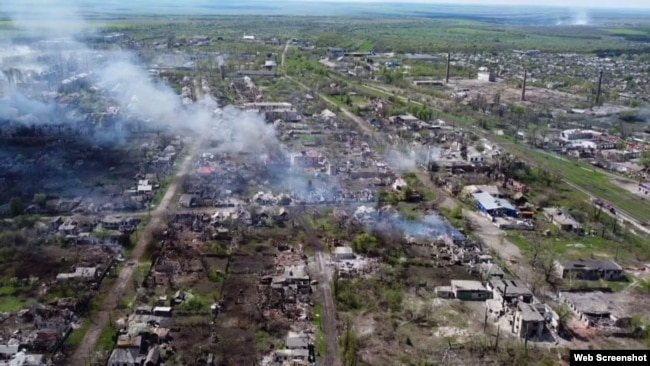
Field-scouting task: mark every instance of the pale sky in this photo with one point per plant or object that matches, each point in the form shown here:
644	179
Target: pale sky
637	4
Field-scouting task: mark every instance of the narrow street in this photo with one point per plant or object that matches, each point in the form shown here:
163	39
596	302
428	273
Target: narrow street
325	272
329	309
100	320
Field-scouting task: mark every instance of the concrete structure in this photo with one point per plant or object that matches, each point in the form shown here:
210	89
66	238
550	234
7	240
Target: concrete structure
405	119
510	290
124	357
598	308
487	76
590	270
644	188
162	311
491	271
563	219
23	359
267	106
577	134
334	52
528	322
492	206
343	253
491	189
288	355
470	290
428	83
80	273
444	292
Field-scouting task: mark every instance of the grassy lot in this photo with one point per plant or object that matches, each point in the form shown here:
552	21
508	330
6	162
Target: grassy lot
627	32
77	335
106	342
629	248
11	304
11	299
317	320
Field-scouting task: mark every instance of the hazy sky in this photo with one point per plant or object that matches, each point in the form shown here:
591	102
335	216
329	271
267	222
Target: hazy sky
564	3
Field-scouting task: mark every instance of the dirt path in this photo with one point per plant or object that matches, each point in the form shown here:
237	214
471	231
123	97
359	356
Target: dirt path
101	319
325	272
329	309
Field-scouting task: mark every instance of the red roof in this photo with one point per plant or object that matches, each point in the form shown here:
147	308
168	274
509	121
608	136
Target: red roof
206	170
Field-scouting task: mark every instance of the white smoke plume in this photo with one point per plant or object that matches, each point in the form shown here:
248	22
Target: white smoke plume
129	84
46	18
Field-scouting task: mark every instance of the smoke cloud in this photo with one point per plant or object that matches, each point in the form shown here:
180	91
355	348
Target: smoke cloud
118	75
46	18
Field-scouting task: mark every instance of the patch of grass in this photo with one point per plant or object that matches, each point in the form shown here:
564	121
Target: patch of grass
106	341
317	321
626	32
7	291
77	335
264	341
10	304
625	248
429	195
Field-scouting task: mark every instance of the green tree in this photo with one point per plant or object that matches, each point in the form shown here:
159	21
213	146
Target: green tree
382	198
40	198
463	152
16	206
349	343
645	159
364	243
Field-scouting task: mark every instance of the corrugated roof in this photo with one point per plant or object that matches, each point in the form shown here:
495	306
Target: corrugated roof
489	202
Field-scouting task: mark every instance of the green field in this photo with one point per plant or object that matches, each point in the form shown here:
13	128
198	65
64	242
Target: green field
477	31
627	32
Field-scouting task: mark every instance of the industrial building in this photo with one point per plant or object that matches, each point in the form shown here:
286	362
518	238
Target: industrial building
494	207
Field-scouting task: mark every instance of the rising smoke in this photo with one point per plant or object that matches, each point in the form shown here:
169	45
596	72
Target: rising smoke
579	17
120	75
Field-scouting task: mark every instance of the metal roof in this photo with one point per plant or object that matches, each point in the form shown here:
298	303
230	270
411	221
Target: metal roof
489	202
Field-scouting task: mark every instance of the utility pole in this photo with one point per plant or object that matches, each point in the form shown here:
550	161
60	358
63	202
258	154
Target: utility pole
523	89
448	67
496	344
485	320
598	91
526	340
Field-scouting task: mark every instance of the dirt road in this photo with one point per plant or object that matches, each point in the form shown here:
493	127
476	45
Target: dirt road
101	319
324	266
324	273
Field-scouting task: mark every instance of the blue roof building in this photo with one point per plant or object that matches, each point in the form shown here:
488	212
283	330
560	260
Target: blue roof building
492	206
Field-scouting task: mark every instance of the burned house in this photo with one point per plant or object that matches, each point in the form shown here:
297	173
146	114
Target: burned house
589	270
564	220
510	290
39	328
598	309
465	290
83	274
528	322
119	223
491	271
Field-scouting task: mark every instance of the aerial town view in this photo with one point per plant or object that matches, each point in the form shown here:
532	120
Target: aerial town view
294	183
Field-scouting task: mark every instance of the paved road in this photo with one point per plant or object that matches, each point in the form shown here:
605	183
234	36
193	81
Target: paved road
101	319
